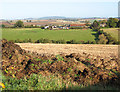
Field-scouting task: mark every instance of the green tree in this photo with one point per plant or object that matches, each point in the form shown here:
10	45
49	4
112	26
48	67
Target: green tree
87	23
3	26
42	27
112	22
103	22
95	26
102	39
118	24
19	24
115	20
50	27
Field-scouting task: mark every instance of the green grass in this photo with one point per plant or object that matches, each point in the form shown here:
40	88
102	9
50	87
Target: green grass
37	33
35	82
50	82
112	31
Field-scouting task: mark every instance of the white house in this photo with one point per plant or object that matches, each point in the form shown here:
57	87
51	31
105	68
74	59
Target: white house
46	27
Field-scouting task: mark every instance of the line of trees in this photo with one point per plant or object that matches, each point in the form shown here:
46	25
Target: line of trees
103	37
113	23
110	23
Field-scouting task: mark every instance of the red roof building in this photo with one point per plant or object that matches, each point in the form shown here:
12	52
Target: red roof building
77	25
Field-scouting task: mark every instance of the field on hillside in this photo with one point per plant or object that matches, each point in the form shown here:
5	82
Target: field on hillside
37	33
112	31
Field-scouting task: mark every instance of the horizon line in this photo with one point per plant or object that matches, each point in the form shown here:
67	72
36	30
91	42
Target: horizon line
56	18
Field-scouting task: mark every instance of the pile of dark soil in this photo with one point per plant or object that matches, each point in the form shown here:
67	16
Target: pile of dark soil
83	69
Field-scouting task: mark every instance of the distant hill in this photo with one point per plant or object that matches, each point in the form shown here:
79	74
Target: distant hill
49	17
53	17
57	17
62	17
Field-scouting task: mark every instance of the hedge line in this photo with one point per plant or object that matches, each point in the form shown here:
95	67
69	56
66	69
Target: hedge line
110	39
53	41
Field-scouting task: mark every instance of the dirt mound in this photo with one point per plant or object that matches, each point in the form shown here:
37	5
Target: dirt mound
81	68
15	60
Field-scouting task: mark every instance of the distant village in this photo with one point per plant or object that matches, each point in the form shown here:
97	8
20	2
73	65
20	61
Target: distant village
54	24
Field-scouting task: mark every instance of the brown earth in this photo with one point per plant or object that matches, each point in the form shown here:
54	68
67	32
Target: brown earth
49	49
80	68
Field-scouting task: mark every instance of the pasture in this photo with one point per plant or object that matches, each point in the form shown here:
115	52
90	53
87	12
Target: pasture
37	33
112	31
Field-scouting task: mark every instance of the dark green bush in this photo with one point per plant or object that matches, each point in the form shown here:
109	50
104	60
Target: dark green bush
43	41
53	41
72	42
61	41
90	42
18	41
80	42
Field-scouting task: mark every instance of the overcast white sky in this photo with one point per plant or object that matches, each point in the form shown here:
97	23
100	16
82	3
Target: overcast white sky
17	9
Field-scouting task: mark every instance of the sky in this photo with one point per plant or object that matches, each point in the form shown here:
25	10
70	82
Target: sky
20	9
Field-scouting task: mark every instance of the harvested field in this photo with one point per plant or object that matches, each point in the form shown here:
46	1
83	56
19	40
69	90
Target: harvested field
49	49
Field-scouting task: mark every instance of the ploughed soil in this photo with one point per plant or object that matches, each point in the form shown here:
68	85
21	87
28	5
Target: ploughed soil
80	68
56	49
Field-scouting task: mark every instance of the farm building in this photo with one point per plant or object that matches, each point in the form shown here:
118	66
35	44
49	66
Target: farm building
77	25
103	25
